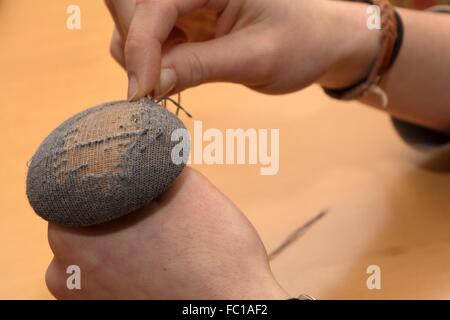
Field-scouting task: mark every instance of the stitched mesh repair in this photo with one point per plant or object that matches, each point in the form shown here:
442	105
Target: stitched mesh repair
103	163
94	145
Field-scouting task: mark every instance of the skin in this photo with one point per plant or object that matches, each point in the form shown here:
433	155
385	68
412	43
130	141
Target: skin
193	242
253	43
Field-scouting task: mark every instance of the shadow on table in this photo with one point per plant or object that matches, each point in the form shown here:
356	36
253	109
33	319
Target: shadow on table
438	161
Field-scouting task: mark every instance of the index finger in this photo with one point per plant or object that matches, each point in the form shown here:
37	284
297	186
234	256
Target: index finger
122	13
151	25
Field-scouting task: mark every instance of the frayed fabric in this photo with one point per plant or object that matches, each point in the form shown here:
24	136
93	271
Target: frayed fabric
104	163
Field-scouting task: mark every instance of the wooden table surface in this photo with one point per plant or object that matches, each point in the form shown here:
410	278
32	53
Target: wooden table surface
388	204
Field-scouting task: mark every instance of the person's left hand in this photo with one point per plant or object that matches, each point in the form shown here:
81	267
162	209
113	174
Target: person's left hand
191	243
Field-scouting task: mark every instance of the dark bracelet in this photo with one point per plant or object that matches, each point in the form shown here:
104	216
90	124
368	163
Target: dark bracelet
399	41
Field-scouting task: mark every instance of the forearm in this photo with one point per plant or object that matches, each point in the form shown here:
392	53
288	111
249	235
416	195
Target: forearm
418	84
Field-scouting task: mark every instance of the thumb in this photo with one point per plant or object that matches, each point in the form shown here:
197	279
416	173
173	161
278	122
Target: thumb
232	58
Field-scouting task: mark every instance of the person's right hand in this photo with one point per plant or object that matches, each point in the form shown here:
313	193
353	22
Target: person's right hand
270	46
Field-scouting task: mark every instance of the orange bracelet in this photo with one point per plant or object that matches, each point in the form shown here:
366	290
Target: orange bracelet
392	36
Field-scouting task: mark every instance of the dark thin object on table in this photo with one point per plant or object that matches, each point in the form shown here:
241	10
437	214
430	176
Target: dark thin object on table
296	234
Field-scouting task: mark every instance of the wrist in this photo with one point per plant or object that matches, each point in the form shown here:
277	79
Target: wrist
354	45
272	291
257	288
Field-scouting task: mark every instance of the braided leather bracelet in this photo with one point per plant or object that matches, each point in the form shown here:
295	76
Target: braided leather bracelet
391	40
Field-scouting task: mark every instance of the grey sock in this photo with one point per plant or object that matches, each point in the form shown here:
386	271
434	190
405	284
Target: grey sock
103	163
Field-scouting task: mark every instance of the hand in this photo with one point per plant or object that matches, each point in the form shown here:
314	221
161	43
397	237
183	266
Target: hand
191	243
270	46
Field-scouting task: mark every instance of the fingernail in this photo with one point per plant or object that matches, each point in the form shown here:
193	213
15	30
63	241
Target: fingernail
133	87
167	82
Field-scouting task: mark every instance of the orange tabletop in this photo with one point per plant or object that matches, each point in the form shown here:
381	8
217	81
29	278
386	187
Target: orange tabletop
388	204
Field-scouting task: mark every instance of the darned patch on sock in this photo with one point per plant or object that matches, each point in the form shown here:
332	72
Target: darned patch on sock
104	163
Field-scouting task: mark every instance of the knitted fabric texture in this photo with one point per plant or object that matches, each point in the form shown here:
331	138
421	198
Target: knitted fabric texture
104	163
